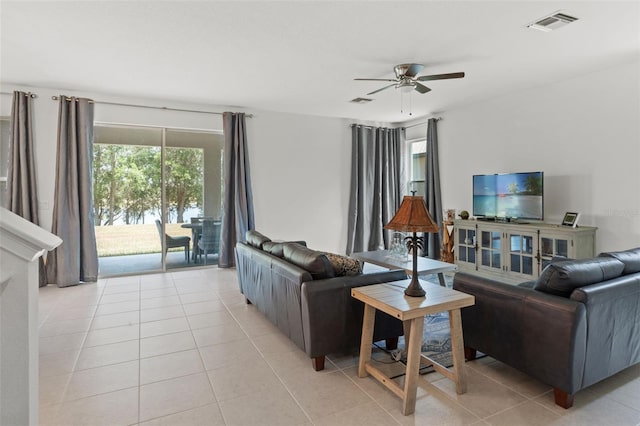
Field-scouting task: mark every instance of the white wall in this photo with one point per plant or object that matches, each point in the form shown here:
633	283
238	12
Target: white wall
584	133
299	164
300	169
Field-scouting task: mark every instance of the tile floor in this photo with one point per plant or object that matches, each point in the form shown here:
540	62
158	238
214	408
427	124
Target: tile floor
183	348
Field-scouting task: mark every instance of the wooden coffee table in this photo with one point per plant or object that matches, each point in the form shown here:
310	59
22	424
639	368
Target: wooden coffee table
425	265
390	298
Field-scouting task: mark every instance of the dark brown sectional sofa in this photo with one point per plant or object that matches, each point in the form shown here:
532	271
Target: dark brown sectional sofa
578	324
297	289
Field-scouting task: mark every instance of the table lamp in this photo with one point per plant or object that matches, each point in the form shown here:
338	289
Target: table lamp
412	216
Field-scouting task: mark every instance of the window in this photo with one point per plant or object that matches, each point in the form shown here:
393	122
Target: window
417	155
5	124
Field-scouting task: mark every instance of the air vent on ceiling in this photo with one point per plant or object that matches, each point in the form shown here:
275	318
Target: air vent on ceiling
552	22
360	100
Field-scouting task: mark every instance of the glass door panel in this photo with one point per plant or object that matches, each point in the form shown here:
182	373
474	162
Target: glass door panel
127	199
490	249
521	254
562	248
552	247
466	245
193	191
546	247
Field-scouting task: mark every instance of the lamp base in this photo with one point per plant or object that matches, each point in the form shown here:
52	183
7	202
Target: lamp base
415	289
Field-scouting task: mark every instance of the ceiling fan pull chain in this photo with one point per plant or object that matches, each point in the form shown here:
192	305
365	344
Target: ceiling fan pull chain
410	105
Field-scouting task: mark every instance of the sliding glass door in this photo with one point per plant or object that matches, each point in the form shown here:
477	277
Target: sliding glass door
193	190
152	187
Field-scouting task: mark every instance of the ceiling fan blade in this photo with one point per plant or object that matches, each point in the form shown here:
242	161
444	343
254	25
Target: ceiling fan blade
413	70
441	76
380	90
375	79
422	88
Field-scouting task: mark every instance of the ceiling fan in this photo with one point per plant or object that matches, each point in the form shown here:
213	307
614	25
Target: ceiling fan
406	77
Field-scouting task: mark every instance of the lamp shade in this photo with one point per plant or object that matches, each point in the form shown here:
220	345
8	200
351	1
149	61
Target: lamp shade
412	216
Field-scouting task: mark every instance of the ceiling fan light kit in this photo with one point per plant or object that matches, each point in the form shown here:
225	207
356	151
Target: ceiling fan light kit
407	70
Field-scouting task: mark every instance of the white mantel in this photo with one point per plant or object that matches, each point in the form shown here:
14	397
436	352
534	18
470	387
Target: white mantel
21	244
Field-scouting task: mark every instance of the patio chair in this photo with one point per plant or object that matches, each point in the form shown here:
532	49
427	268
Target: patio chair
209	241
171	242
195	234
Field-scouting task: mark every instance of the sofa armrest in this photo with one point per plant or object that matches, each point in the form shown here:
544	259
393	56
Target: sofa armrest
613	322
332	319
540	334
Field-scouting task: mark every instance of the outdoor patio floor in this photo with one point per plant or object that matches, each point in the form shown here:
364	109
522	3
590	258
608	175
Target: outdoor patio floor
152	262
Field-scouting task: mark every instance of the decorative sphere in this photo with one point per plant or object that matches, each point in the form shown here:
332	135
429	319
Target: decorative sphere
464	214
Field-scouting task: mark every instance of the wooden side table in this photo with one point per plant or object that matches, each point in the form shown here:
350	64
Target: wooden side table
390	298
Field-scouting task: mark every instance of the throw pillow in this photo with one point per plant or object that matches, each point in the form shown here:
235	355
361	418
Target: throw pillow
256	239
276	248
630	258
315	262
561	278
344	266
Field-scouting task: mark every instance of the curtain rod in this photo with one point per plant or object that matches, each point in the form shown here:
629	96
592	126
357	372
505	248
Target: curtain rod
31	95
406	127
423	124
55	98
374	127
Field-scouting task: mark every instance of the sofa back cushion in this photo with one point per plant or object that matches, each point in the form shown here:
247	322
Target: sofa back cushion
315	262
277	248
630	258
561	278
256	239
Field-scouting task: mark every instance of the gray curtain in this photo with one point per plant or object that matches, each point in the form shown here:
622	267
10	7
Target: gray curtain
376	185
433	197
237	206
76	260
21	180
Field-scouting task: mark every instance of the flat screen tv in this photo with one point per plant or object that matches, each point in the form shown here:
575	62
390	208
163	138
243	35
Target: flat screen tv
509	196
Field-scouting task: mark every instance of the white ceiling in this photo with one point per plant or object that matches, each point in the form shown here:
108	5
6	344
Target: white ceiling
301	57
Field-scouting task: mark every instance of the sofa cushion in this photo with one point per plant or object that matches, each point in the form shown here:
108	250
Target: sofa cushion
276	248
256	239
630	258
561	278
314	262
344	266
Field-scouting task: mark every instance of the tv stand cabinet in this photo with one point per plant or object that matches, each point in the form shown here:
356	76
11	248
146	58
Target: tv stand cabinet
514	252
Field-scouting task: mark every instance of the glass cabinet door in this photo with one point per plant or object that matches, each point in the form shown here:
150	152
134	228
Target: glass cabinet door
490	249
551	247
521	254
467	245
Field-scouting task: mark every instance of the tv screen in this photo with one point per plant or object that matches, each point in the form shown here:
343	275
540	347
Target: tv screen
509	195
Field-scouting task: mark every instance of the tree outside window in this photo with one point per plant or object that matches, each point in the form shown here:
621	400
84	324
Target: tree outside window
127	183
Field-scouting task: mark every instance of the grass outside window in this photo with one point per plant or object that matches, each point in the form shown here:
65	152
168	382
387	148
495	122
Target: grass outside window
120	240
